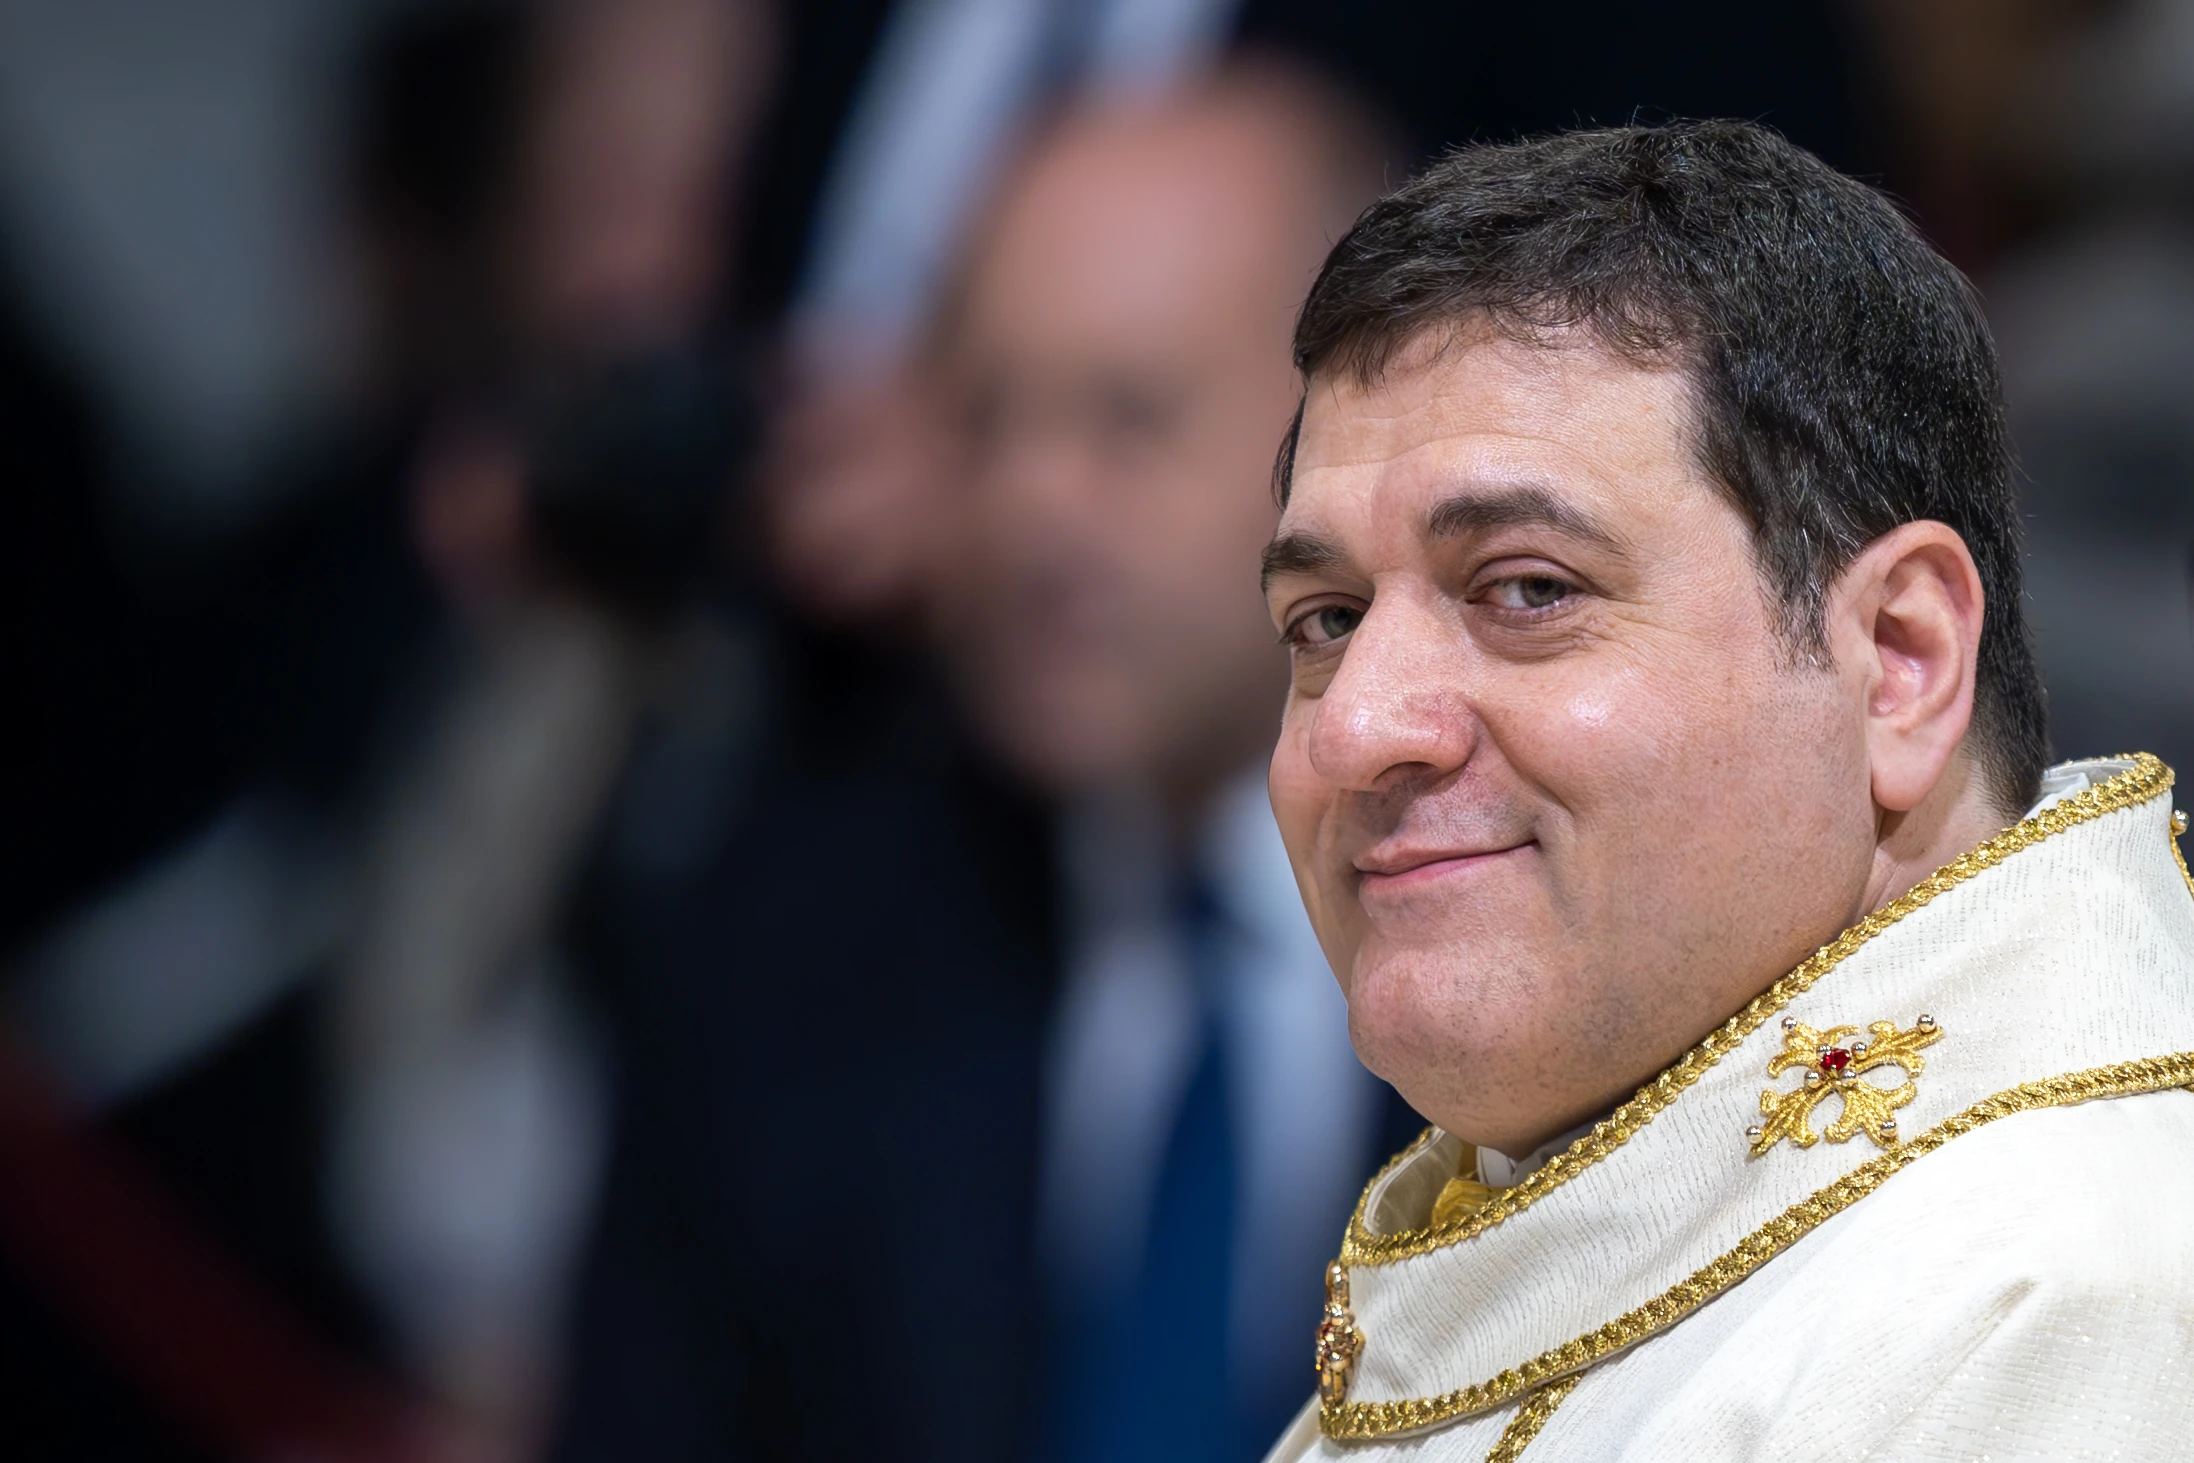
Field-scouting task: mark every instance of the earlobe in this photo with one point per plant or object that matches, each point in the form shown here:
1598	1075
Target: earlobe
1908	610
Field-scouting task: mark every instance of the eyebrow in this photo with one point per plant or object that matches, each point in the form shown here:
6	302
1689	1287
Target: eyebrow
1299	553
1523	504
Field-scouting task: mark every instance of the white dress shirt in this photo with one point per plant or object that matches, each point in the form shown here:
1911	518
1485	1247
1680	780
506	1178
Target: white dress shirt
1305	1112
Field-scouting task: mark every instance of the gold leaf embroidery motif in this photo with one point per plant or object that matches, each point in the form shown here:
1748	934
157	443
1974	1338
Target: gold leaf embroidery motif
1835	1065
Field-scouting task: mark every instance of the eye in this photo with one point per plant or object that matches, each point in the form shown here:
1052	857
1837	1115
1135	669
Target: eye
1528	592
1134	416
1324	626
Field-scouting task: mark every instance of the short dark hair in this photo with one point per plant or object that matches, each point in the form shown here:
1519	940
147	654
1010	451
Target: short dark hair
1844	376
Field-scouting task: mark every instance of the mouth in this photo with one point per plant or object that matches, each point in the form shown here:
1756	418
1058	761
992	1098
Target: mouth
1403	871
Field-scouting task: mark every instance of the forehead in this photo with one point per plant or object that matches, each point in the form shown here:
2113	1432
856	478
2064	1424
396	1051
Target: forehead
1479	408
1133	228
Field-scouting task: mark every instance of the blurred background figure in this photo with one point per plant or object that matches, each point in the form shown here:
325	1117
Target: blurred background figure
948	84
411	691
563	507
2050	143
631	791
855	511
1119	356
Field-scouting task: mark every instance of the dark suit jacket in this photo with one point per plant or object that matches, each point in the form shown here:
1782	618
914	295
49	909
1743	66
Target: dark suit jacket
827	1003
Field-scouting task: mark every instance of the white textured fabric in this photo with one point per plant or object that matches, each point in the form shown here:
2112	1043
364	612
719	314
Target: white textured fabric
1497	1170
2027	1291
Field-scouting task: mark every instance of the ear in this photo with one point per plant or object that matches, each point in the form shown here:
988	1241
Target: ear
1904	623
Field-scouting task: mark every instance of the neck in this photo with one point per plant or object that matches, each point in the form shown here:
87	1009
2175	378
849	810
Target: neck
1959	814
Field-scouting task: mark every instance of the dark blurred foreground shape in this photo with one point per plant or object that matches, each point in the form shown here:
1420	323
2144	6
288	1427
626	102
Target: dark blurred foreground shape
309	1134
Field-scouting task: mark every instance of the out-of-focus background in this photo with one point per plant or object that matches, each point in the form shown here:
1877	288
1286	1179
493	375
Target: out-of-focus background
632	805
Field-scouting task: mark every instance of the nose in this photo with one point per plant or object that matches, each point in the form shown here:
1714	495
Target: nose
1398	707
1035	488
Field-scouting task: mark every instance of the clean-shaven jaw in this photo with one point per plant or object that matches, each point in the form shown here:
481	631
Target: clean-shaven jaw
1559	793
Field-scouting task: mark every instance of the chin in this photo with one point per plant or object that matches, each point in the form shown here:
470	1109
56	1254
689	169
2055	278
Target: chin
1452	1031
1400	1015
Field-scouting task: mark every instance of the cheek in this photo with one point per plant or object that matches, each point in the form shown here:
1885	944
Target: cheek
1300	805
1674	719
1589	711
1576	738
1293	787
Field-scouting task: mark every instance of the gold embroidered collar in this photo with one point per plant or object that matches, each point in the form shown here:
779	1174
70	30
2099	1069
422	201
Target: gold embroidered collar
1386	1263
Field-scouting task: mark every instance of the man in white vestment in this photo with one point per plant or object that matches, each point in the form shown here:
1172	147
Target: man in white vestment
1664	771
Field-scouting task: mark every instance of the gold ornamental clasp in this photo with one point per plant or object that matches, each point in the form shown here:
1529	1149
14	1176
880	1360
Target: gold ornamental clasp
1339	1342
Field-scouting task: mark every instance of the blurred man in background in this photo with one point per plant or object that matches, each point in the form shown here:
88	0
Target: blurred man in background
1117	359
949	85
865	1134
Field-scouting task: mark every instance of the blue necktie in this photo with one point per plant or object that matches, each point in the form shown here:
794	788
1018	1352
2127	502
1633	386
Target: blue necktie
1150	1379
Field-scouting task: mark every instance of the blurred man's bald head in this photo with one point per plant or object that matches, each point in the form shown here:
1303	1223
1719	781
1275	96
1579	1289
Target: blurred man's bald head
1256	168
1120	346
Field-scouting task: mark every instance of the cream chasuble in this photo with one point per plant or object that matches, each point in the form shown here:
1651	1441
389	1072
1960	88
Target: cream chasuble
1931	1196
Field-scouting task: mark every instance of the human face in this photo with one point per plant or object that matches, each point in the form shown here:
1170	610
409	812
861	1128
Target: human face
1121	370
1558	794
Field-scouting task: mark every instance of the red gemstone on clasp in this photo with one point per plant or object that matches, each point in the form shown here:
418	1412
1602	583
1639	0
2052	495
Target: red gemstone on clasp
1835	1060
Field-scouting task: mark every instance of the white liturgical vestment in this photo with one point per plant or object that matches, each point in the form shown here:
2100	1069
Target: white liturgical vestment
1930	1196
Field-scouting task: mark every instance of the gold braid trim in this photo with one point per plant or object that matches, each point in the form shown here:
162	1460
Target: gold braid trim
1529	1418
1359	1420
2145	779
